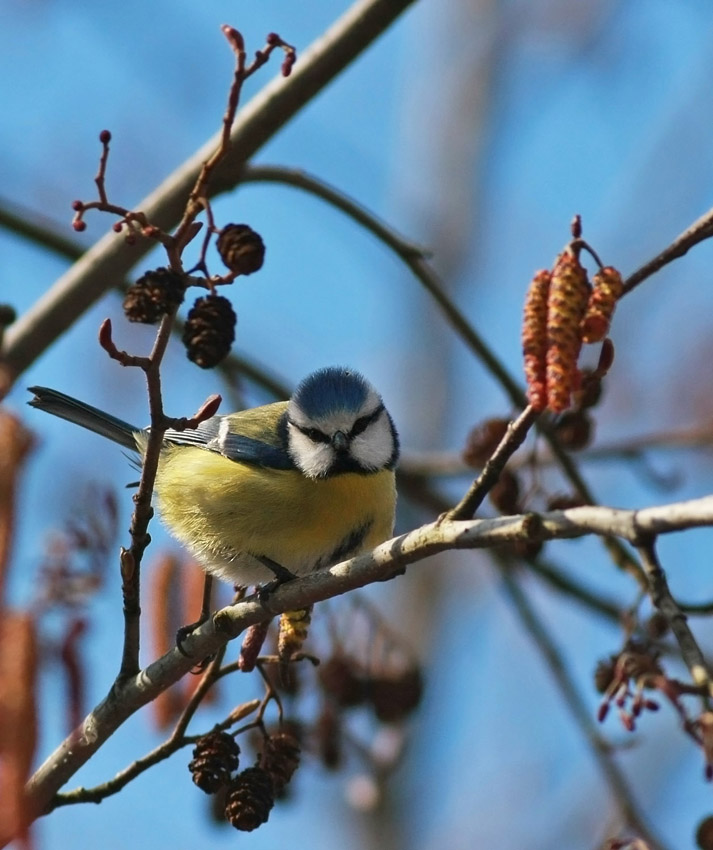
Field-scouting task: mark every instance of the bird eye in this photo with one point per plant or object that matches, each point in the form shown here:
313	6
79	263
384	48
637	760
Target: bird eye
363	422
360	425
315	435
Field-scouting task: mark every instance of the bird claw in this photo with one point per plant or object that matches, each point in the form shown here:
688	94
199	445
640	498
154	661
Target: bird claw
186	631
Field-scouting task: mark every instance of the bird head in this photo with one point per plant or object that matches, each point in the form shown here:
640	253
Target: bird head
337	422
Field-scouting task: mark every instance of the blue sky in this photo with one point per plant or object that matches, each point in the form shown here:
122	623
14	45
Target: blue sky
601	110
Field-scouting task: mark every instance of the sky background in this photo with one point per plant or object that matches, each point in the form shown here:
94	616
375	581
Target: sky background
475	128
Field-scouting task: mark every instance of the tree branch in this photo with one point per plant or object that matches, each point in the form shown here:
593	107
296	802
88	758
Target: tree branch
386	561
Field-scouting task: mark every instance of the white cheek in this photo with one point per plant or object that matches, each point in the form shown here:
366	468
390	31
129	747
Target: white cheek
374	448
314	459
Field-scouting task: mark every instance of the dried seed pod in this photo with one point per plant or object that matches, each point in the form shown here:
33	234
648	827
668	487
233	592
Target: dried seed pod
574	430
280	759
704	833
483	440
294	626
339	678
328	732
154	294
209	331
534	339
607	289
241	248
250	799
504	495
566	303
394	697
215	757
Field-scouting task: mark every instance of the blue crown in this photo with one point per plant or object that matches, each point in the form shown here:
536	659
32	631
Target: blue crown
328	390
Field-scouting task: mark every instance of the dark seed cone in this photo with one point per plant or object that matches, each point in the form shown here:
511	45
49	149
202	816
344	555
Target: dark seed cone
394	697
504	495
153	295
483	440
280	759
574	430
215	757
250	798
329	737
241	248
209	331
341	681
704	834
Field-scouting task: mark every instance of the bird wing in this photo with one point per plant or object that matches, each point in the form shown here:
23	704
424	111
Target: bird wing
254	436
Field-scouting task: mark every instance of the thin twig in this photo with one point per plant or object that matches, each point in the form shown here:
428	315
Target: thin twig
699	231
516	433
621	794
663	600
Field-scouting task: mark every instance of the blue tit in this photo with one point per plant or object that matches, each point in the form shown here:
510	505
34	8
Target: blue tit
302	484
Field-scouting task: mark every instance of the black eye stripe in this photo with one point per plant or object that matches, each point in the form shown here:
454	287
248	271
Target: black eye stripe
364	421
359	427
313	434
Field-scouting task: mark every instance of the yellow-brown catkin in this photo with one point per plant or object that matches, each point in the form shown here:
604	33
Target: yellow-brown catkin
534	339
566	304
293	632
607	289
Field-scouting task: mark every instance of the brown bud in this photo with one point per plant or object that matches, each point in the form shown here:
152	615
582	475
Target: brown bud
252	644
241	248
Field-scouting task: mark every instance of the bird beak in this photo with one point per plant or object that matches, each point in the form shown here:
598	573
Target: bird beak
340	441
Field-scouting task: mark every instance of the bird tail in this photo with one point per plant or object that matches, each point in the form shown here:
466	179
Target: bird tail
66	407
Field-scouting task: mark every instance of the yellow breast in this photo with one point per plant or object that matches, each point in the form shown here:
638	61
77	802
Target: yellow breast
226	512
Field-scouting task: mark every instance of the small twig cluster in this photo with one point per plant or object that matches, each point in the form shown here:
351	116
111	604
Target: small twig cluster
624	680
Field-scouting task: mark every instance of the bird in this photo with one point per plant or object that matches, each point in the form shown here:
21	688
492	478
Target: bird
275	491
